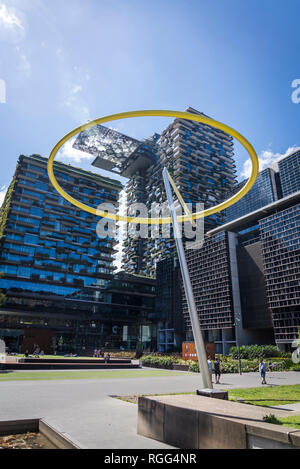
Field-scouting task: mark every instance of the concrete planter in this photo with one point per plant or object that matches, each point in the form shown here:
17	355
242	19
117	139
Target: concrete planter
197	422
55	436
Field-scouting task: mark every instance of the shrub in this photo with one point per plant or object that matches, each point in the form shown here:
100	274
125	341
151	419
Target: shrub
283	364
174	355
229	365
123	354
226	367
250	352
295	367
271	418
157	362
249	365
194	367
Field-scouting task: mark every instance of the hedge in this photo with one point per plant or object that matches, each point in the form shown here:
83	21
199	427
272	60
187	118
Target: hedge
157	362
228	364
232	366
250	352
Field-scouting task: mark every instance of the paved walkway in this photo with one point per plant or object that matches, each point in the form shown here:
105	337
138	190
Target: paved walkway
291	407
85	410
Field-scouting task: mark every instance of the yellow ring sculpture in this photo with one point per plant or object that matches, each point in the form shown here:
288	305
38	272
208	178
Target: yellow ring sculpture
163	113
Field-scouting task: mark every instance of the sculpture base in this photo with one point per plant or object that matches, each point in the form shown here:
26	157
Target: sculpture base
215	393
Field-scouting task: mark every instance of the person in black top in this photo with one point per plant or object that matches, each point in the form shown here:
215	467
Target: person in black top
217	370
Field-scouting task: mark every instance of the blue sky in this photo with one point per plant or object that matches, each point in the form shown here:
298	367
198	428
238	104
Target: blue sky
66	62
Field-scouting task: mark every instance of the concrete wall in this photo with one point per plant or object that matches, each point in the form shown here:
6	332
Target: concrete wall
252	317
196	422
256	314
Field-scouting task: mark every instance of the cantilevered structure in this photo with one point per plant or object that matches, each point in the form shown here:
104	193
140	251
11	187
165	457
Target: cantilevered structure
198	157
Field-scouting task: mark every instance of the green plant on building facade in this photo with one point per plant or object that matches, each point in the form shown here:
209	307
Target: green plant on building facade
2	296
3	218
6	206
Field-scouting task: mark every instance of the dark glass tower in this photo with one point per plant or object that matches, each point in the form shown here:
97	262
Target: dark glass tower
280	235
263	192
57	274
289	172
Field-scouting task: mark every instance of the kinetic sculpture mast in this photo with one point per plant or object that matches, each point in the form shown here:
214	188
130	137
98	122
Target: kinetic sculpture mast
116	148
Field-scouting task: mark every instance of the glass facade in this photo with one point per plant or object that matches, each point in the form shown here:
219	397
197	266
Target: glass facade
250	272
289	172
263	192
265	258
280	235
56	269
211	281
110	147
168	306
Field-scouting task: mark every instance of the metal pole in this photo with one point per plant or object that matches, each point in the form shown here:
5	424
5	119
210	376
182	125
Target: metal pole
238	344
199	343
240	362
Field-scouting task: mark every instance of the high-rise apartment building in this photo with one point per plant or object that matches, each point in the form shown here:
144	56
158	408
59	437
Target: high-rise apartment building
199	159
168	306
264	192
280	236
211	278
57	273
246	278
289	172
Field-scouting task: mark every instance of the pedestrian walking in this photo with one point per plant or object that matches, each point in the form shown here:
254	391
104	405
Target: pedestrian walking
271	365
209	364
262	370
217	367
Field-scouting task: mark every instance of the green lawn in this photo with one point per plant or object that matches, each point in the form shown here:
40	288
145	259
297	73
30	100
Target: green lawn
292	421
268	395
82	374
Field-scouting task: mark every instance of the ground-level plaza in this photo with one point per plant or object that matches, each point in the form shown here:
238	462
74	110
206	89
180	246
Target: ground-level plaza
85	409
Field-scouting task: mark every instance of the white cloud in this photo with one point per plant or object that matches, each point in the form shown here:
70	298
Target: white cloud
73	85
13	27
75	102
266	158
9	19
76	89
68	153
24	65
78	108
3	190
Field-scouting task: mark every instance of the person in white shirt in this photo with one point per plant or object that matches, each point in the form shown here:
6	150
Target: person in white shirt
209	363
262	370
